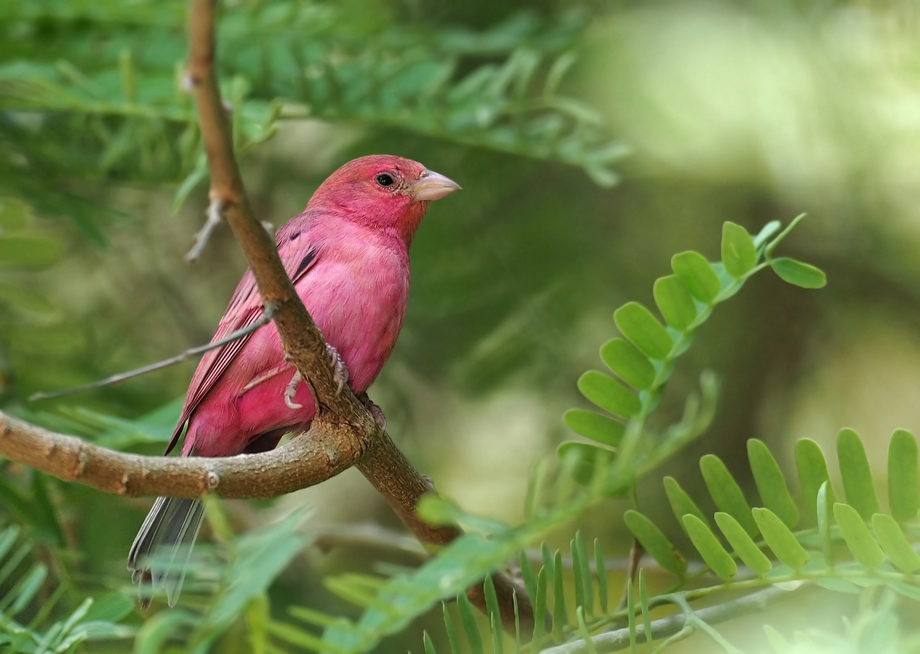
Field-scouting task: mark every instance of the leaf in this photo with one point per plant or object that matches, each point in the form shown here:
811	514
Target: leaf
738	252
710	548
642	329
582	459
29	252
812	473
857	477
601	574
655	543
743	545
771	484
903	488
594	426
894	543
429	646
560	613
451	630
798	273
539	610
530	581
468	620
681	503
584	588
608	394
628	363
646	609
701	280
857	536
494	614
823	511
675	302
725	491
784	545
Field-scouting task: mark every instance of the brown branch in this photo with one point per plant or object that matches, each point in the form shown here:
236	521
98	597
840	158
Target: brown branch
343	433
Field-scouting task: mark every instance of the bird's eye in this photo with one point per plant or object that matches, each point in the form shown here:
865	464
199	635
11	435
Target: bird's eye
385	180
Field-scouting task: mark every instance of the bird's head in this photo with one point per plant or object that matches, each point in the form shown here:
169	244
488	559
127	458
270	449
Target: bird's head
388	192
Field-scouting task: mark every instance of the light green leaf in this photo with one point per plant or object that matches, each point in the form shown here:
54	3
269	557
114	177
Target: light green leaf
894	543
560	613
681	503
628	363
857	477
743	545
710	548
771	484
697	274
539	609
725	491
642	329
800	274
812	473
468	620
903	489
857	536
675	302
429	646
784	545
608	394
594	426
655	543
738	252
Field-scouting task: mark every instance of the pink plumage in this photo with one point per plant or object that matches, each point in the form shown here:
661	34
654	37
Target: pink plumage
348	256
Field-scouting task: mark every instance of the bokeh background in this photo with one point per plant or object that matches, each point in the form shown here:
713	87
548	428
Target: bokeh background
741	111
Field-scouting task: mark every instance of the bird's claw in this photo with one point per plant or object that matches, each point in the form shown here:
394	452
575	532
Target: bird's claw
375	410
291	391
339	370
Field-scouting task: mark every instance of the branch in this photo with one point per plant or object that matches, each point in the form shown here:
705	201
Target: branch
201	238
613	641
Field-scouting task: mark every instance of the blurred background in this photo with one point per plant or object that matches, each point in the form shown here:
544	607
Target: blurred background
593	141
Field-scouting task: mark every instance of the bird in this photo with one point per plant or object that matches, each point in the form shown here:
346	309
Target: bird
347	254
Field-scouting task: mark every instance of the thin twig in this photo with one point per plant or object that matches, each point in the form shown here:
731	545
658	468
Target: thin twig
266	317
215	217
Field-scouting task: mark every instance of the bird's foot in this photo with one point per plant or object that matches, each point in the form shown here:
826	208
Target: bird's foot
339	370
291	391
375	410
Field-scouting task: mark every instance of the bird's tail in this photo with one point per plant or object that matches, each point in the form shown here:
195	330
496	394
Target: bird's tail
163	545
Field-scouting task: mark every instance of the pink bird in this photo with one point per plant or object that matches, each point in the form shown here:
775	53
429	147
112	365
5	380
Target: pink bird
348	256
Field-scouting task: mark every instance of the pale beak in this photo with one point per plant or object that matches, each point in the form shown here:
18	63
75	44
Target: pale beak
432	186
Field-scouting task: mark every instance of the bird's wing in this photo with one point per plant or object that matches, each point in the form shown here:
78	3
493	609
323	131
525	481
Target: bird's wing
299	256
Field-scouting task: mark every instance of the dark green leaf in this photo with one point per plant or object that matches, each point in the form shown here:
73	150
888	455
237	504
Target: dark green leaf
738	252
429	646
784	545
903	489
857	536
642	329
697	274
800	274
857	477
29	252
655	543
628	363
743	545
675	302
725	491
812	473
608	394
594	426
771	484
710	548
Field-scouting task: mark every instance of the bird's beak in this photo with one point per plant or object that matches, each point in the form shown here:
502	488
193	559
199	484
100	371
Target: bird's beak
432	186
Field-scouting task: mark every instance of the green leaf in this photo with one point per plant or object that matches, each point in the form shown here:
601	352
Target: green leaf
776	639
655	543
642	329
468	620
594	426
823	512
583	630
857	477
710	548
784	545
429	646
631	615
738	252
530	581
539	611
14	213
608	394
903	488
583	459
771	484
725	491
584	588
743	545
681	503
628	363
26	299
698	275
29	252
894	543
812	473
646	609
560	613
800	274
675	302
601	573
857	536
495	615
